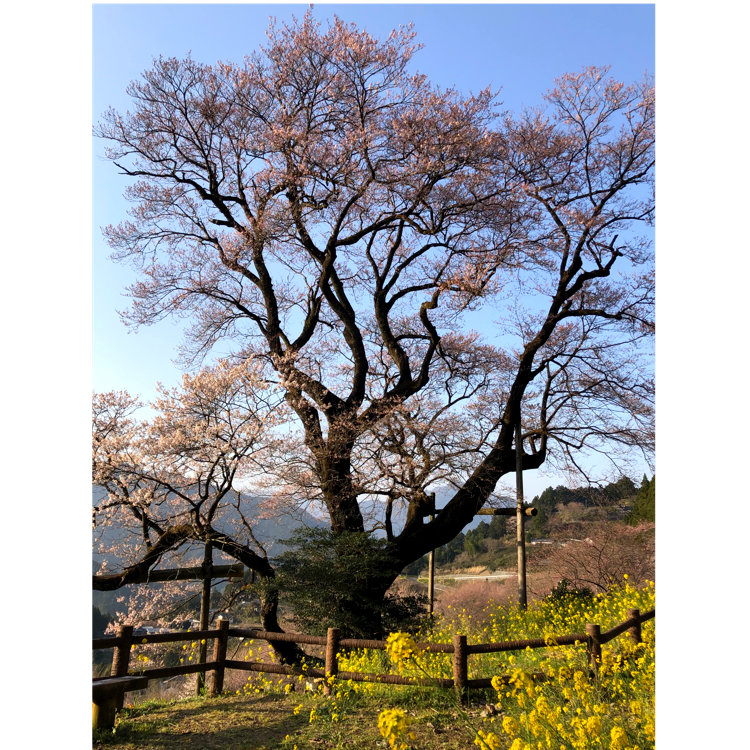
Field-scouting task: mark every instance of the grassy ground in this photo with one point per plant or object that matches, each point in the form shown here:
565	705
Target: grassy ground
266	722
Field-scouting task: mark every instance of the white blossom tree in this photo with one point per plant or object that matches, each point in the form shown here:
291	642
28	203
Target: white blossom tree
171	481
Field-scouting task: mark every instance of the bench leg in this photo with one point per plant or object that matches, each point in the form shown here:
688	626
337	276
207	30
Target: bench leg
103	713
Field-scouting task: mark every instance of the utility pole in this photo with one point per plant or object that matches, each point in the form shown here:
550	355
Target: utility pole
431	565
431	577
205	605
520	515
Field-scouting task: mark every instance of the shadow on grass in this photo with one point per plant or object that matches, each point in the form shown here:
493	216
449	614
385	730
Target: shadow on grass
226	723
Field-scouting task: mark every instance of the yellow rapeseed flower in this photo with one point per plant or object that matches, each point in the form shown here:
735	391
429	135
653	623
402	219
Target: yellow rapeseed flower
393	725
400	647
487	741
618	739
511	726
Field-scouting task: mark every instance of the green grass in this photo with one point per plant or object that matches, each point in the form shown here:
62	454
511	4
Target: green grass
263	721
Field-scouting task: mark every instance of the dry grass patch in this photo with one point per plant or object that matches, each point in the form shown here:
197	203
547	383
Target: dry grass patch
267	722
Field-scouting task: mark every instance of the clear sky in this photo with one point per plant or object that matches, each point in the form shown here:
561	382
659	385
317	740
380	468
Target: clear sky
519	49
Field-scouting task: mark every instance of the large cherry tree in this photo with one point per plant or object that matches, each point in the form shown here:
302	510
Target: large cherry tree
341	219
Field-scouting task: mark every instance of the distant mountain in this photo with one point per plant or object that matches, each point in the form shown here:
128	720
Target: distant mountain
270	532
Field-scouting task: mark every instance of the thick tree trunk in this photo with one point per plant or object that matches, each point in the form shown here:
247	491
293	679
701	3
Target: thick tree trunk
339	494
366	605
288	653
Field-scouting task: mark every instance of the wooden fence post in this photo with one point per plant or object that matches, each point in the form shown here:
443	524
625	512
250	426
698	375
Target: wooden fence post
121	655
635	630
460	666
594	648
332	665
220	655
520	517
200	685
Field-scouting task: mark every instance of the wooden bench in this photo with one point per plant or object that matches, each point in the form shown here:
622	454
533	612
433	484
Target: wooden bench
108	694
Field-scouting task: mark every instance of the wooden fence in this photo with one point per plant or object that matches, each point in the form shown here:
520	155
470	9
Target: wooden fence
122	642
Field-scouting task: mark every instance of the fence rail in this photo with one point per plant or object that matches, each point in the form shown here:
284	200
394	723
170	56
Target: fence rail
124	640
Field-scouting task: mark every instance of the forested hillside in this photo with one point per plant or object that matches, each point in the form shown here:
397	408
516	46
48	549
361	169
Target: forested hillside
562	513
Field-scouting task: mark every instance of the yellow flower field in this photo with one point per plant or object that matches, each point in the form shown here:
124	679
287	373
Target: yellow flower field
567	710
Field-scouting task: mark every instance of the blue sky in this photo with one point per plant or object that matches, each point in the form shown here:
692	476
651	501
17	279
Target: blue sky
519	49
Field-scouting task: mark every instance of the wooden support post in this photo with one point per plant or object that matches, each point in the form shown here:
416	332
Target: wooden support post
528	511
635	630
220	655
103	712
205	607
194	573
332	665
520	515
121	656
594	648
107	694
460	666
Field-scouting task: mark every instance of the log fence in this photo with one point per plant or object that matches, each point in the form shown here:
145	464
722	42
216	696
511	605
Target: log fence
593	638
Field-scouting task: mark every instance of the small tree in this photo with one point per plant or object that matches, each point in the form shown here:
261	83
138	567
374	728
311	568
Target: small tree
321	577
170	480
337	216
644	507
609	552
